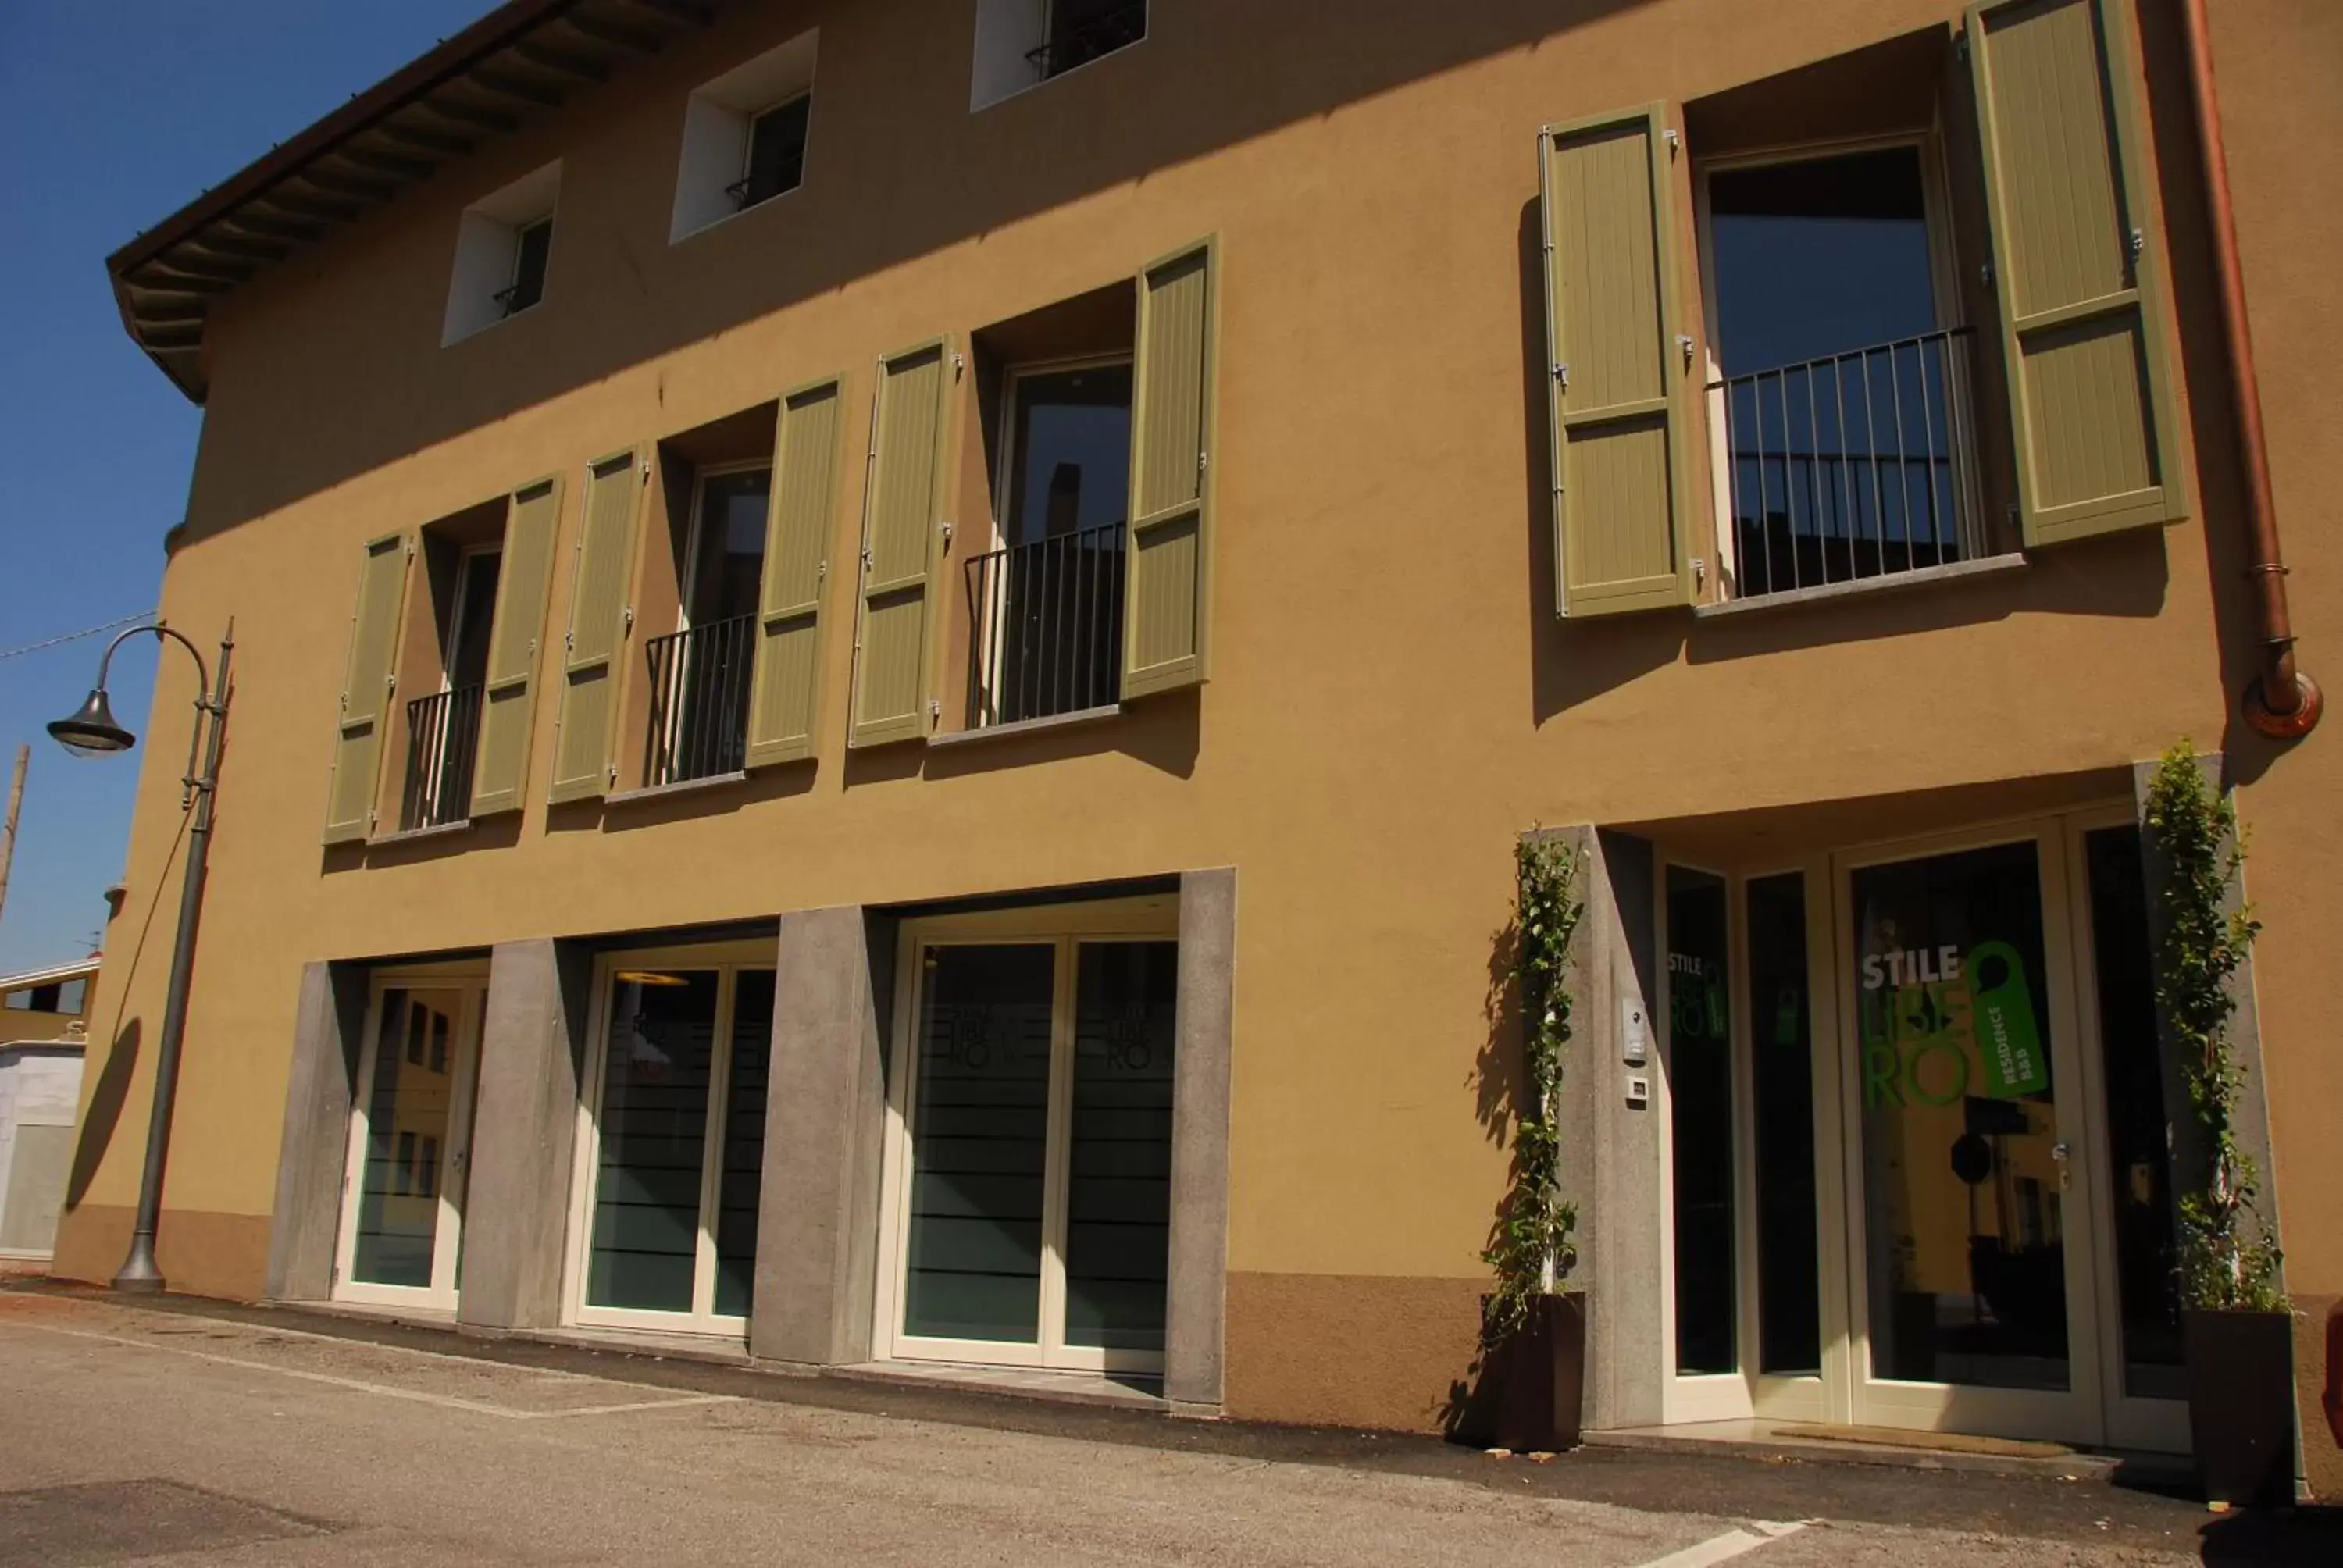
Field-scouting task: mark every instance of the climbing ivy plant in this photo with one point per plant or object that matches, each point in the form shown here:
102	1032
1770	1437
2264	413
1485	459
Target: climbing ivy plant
2227	1258
1531	1249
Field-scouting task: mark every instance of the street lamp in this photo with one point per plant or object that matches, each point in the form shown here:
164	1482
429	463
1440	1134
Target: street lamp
93	733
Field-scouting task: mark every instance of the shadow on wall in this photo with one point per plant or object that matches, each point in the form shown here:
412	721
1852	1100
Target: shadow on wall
1469	1416
97	1124
364	388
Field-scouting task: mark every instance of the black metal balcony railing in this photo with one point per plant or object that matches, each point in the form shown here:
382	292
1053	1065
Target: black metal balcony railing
1045	626
700	701
1081	41
443	734
1854	464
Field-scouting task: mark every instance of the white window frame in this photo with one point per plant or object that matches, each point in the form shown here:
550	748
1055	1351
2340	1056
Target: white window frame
719	119
488	253
454	1177
1004	486
1066	926
1006	30
465	609
1944	283
729	959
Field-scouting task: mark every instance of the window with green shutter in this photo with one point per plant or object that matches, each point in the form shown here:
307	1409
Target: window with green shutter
1621	376
901	547
366	678
803	508
508	700
2078	266
1167	610
599	581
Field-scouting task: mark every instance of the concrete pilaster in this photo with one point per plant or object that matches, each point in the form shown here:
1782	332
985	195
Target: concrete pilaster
516	1201
825	1120
314	1151
1196	1310
1612	1149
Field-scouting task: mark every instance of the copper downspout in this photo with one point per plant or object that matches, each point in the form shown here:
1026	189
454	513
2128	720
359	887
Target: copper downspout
2282	701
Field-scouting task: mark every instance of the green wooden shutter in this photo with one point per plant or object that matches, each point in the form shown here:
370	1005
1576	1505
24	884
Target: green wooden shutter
797	550
1619	381
532	521
2077	267
899	554
597	612
1167	620
366	689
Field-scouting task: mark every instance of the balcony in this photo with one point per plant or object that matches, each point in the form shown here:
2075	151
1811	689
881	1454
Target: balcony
1045	627
1853	465
443	736
700	701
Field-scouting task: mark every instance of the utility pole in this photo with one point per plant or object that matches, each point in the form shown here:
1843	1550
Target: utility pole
8	831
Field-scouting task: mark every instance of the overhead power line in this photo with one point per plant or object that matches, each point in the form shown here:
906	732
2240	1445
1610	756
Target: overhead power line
78	636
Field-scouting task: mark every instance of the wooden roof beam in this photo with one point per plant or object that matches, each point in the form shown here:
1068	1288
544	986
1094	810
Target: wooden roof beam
569	62
616	33
464	114
440	144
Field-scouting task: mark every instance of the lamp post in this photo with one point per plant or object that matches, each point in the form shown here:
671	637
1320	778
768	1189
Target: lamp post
93	733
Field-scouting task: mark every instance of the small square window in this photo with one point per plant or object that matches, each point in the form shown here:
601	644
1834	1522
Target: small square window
529	250
504	244
744	136
1023	43
776	143
1080	30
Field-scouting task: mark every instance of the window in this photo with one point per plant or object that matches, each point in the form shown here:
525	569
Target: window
61	996
1843	434
1020	43
744	136
700	673
530	251
1047	599
673	1153
1839	401
1027	1192
504	243
775	156
443	724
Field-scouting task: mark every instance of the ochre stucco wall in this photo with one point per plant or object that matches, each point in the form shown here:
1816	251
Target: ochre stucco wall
1392	701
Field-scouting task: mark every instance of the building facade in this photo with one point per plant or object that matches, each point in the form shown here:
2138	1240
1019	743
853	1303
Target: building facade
890	655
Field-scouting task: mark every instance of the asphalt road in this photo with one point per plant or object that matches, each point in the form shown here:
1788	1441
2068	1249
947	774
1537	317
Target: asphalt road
187	1435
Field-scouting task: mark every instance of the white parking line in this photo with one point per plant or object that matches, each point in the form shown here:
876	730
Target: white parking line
388	1391
1731	1544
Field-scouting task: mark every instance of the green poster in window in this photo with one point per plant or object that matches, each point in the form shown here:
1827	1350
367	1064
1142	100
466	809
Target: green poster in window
2001	1011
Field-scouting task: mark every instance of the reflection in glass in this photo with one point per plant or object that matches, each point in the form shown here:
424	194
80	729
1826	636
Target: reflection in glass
979	1132
1781	1060
2139	1162
1700	1091
743	1171
1070	466
653	1133
1119	1191
1963	1224
408	1110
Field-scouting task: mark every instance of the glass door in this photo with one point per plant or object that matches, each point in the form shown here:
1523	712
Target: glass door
1969	1216
1029	1159
671	1139
410	1145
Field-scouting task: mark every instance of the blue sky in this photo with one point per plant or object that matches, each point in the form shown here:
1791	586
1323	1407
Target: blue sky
111	117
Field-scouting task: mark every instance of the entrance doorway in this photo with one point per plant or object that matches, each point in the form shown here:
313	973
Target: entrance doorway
1918	1175
410	1142
1028	1186
670	1151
